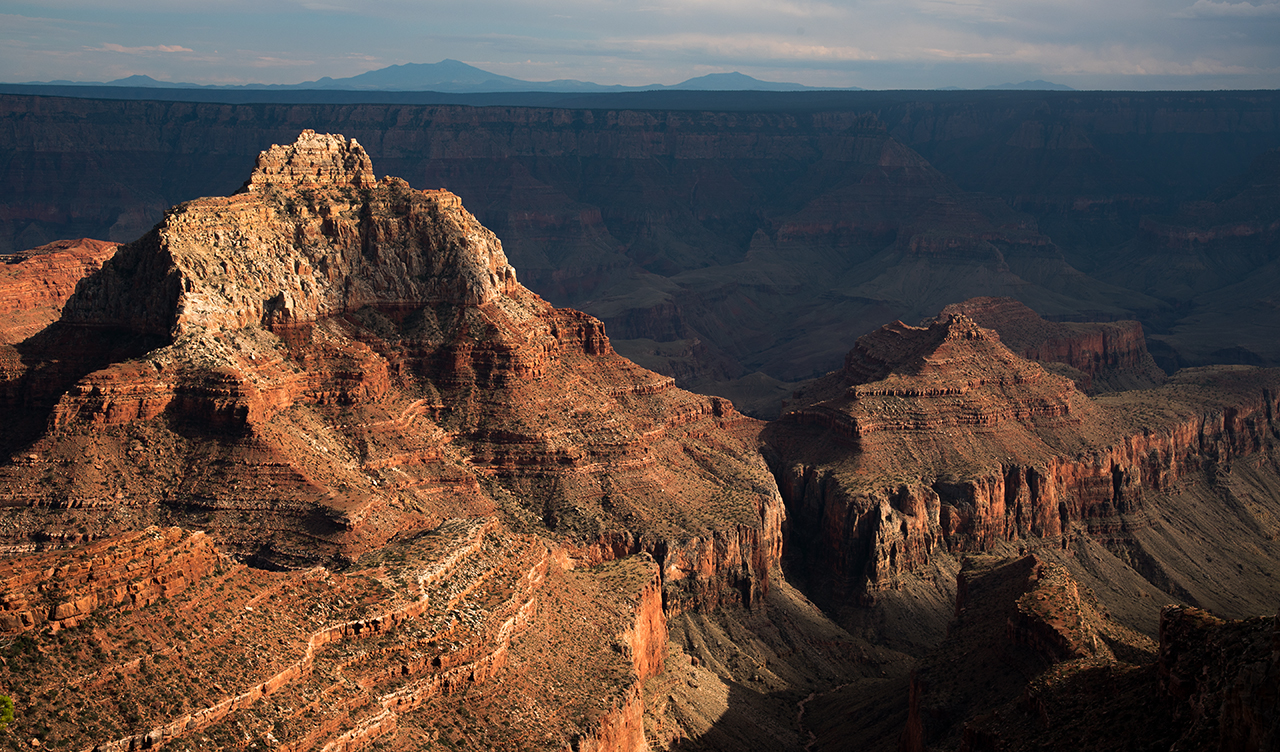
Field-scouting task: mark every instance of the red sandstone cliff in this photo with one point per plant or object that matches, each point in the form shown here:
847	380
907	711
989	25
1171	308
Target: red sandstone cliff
34	284
388	651
1109	356
367	360
323	369
938	440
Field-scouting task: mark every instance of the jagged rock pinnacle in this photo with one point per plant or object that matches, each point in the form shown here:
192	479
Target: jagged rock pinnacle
314	159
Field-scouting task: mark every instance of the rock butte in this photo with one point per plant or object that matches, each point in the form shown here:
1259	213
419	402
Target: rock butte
1099	357
1204	683
939	440
316	446
324	365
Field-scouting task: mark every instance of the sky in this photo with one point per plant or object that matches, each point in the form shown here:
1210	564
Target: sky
874	44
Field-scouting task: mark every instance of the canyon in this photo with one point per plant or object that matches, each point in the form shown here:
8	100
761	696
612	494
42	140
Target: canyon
739	242
307	466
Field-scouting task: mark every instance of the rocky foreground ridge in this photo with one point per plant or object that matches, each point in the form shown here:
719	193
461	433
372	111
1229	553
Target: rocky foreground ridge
324	370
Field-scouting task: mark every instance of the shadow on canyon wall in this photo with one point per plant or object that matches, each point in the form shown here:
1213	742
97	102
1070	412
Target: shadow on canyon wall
744	248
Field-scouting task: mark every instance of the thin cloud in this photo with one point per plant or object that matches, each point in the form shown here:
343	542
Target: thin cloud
745	46
279	62
328	8
1211	9
965	11
109	47
764	8
1119	61
13	22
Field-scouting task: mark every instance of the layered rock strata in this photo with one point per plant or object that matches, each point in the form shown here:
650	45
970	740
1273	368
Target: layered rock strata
1026	636
937	439
135	571
34	284
314	659
1033	660
1099	357
368	361
763	236
322	367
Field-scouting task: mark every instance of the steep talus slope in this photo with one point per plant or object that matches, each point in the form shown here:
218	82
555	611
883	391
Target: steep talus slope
324	370
937	440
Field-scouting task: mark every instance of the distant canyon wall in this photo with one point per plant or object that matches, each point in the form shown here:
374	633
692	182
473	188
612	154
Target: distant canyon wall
758	238
114	165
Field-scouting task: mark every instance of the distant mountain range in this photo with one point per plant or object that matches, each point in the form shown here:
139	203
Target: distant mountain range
457	77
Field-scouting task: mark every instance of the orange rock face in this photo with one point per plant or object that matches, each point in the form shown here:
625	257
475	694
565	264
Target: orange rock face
313	658
1103	356
939	438
34	284
134	572
343	360
325	369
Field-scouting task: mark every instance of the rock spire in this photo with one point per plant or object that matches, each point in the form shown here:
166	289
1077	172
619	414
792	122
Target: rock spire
313	160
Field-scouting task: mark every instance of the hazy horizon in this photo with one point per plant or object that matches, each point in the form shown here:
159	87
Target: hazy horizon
916	44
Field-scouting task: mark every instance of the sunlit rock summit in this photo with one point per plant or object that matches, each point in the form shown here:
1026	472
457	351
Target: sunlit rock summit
322	369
